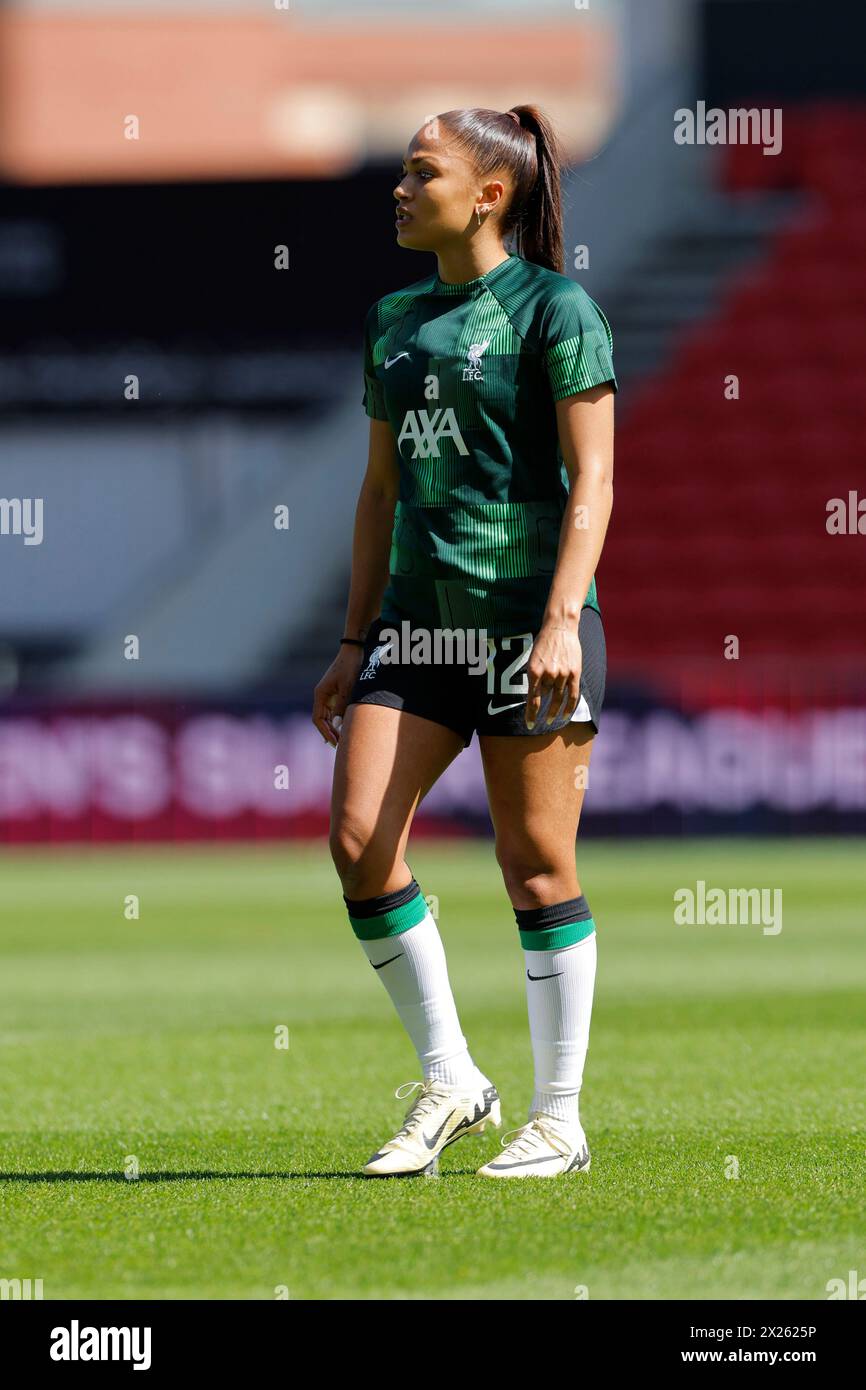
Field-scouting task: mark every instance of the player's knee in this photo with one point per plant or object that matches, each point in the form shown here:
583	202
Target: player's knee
359	856
349	842
529	874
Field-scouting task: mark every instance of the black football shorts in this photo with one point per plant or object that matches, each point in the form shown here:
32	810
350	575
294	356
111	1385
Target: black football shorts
492	701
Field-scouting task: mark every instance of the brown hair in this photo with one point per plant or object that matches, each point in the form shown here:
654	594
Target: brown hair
522	141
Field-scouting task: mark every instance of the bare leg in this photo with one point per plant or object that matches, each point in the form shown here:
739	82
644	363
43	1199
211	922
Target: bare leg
386	763
535	787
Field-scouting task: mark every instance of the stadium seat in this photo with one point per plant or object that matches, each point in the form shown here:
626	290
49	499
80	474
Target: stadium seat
722	499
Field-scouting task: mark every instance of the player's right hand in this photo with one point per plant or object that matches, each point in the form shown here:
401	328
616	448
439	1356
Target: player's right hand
331	695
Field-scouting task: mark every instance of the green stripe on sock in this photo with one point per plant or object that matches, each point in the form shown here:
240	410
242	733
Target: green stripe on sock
554	938
392	923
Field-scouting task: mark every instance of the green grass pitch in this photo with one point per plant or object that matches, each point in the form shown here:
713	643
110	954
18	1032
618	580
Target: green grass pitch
152	1043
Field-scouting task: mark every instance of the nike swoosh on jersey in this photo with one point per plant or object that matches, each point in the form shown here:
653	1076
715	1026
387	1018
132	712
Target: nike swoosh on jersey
491	710
389	361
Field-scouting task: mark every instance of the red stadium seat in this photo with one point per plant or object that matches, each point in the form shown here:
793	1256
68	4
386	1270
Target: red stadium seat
722	500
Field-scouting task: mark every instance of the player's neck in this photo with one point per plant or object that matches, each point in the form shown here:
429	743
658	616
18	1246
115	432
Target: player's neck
469	262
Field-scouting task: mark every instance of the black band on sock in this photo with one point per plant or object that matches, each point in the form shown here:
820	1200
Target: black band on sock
386	902
541	918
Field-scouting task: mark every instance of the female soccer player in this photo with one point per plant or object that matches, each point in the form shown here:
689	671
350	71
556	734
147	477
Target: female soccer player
488	490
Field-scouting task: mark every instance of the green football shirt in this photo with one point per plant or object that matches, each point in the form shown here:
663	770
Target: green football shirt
467	375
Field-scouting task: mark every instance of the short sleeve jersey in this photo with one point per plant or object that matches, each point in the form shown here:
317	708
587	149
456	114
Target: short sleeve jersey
467	375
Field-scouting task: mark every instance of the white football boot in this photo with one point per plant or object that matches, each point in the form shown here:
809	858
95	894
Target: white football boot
543	1148
438	1116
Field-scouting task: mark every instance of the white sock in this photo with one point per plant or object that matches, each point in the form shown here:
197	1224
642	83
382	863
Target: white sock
413	969
559	998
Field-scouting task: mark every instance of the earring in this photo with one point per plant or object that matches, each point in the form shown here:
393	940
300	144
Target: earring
478	212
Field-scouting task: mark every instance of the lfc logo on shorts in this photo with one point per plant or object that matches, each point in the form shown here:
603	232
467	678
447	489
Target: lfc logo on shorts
473	371
372	666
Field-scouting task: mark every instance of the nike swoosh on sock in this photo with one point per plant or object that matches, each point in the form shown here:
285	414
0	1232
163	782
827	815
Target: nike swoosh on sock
383	963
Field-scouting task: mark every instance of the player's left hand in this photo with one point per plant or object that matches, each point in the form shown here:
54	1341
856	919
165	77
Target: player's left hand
554	668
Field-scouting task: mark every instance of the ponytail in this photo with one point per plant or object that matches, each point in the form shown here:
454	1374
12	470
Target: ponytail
522	141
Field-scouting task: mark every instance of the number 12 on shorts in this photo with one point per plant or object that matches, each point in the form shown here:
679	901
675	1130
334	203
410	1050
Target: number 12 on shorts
507	685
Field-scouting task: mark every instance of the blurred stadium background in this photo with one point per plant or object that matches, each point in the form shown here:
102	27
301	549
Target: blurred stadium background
256	127
164	386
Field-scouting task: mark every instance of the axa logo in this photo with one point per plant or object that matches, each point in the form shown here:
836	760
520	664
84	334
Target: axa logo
426	430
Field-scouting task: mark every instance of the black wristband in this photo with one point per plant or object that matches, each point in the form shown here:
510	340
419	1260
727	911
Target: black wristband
351	641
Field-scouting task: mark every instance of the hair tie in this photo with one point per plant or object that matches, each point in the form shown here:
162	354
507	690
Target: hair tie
514	115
